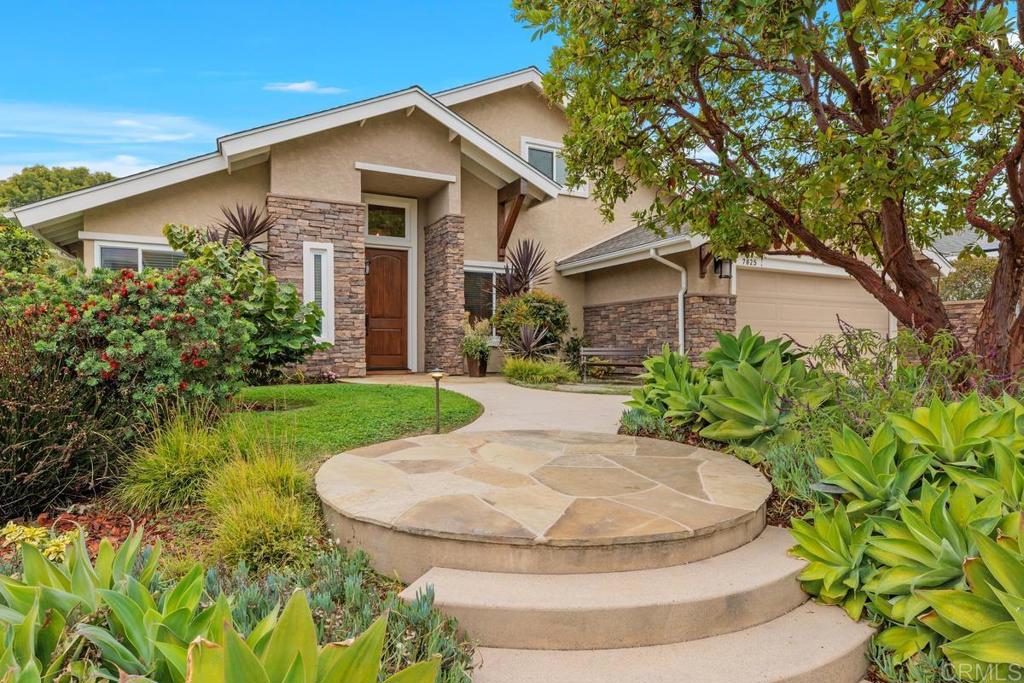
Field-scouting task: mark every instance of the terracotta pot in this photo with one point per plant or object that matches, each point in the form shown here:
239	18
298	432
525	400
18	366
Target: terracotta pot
474	368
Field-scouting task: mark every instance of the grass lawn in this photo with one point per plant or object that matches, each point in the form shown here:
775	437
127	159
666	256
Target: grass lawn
317	420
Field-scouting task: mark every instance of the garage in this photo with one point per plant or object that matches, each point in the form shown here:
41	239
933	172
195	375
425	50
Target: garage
804	307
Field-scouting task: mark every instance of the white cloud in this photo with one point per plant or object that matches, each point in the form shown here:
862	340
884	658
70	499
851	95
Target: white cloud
96	126
119	164
304	87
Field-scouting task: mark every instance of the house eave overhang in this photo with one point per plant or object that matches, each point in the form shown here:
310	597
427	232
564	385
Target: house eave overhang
242	149
530	76
669	245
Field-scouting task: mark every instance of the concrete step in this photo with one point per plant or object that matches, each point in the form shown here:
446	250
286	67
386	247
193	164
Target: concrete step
811	644
729	592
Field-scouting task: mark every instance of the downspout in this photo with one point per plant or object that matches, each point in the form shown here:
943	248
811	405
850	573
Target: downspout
682	294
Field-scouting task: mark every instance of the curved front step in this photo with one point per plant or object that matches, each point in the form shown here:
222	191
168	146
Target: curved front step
539	502
741	588
811	644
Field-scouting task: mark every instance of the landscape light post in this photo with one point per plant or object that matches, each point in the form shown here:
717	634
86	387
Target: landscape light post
437	374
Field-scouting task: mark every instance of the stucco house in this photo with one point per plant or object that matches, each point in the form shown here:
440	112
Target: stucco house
394	213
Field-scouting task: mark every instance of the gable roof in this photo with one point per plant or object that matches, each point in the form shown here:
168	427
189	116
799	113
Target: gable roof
58	215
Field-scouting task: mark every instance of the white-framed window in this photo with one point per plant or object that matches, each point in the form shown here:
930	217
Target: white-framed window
120	255
546	157
318	283
390	220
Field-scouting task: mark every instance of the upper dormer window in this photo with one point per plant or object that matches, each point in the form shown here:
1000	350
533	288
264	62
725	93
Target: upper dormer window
546	157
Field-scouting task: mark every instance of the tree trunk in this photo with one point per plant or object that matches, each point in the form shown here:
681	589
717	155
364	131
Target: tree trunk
999	340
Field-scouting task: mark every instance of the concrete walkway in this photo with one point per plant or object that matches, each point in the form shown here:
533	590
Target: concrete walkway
507	406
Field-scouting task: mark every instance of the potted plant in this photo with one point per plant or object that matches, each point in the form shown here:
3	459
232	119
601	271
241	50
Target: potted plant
476	345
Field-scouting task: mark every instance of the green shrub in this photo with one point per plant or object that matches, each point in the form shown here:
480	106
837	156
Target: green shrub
284	329
571	349
59	440
347	596
536	309
971	279
171	469
538	371
263	528
20	250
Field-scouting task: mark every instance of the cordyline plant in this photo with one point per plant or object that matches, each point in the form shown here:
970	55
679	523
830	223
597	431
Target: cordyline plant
856	132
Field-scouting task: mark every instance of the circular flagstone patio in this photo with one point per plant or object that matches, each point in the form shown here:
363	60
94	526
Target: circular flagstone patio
539	501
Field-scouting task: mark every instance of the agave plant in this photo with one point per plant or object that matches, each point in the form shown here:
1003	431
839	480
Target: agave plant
835	549
525	269
286	651
959	434
984	626
876	476
746	347
927	545
36	612
748	403
672	389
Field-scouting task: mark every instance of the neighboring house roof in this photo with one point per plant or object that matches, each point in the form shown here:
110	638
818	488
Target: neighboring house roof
58	215
951	246
632	245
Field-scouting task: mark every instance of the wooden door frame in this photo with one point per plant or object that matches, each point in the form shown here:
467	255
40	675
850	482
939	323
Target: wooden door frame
411	245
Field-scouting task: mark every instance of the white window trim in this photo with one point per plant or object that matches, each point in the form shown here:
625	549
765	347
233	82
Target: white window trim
327	273
124	244
411	244
556	147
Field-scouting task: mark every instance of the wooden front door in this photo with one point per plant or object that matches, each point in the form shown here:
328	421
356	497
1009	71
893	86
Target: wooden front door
386	309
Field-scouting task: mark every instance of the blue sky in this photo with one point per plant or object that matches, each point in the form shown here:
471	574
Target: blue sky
125	86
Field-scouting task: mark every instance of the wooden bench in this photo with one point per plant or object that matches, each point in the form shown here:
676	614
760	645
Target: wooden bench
610	357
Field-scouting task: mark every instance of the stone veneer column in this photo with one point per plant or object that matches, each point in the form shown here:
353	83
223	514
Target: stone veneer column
444	293
299	220
707	314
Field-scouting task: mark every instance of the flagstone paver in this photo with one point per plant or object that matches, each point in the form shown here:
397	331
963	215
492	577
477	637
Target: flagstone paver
556	487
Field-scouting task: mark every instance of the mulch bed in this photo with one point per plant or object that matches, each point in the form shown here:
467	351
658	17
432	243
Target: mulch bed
99	522
781	510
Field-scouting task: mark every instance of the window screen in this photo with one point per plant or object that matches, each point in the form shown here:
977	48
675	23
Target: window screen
479	292
117	258
161	259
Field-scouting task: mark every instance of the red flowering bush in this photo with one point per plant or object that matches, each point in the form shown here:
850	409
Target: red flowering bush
140	337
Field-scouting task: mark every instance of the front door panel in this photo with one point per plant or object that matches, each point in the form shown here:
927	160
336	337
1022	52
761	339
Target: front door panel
386	309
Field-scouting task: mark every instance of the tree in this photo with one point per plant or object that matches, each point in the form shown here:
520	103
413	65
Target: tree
35	183
852	131
970	279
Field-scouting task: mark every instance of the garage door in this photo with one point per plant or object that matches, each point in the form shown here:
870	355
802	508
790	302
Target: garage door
803	307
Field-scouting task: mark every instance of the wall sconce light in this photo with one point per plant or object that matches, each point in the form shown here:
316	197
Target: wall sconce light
723	268
436	374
